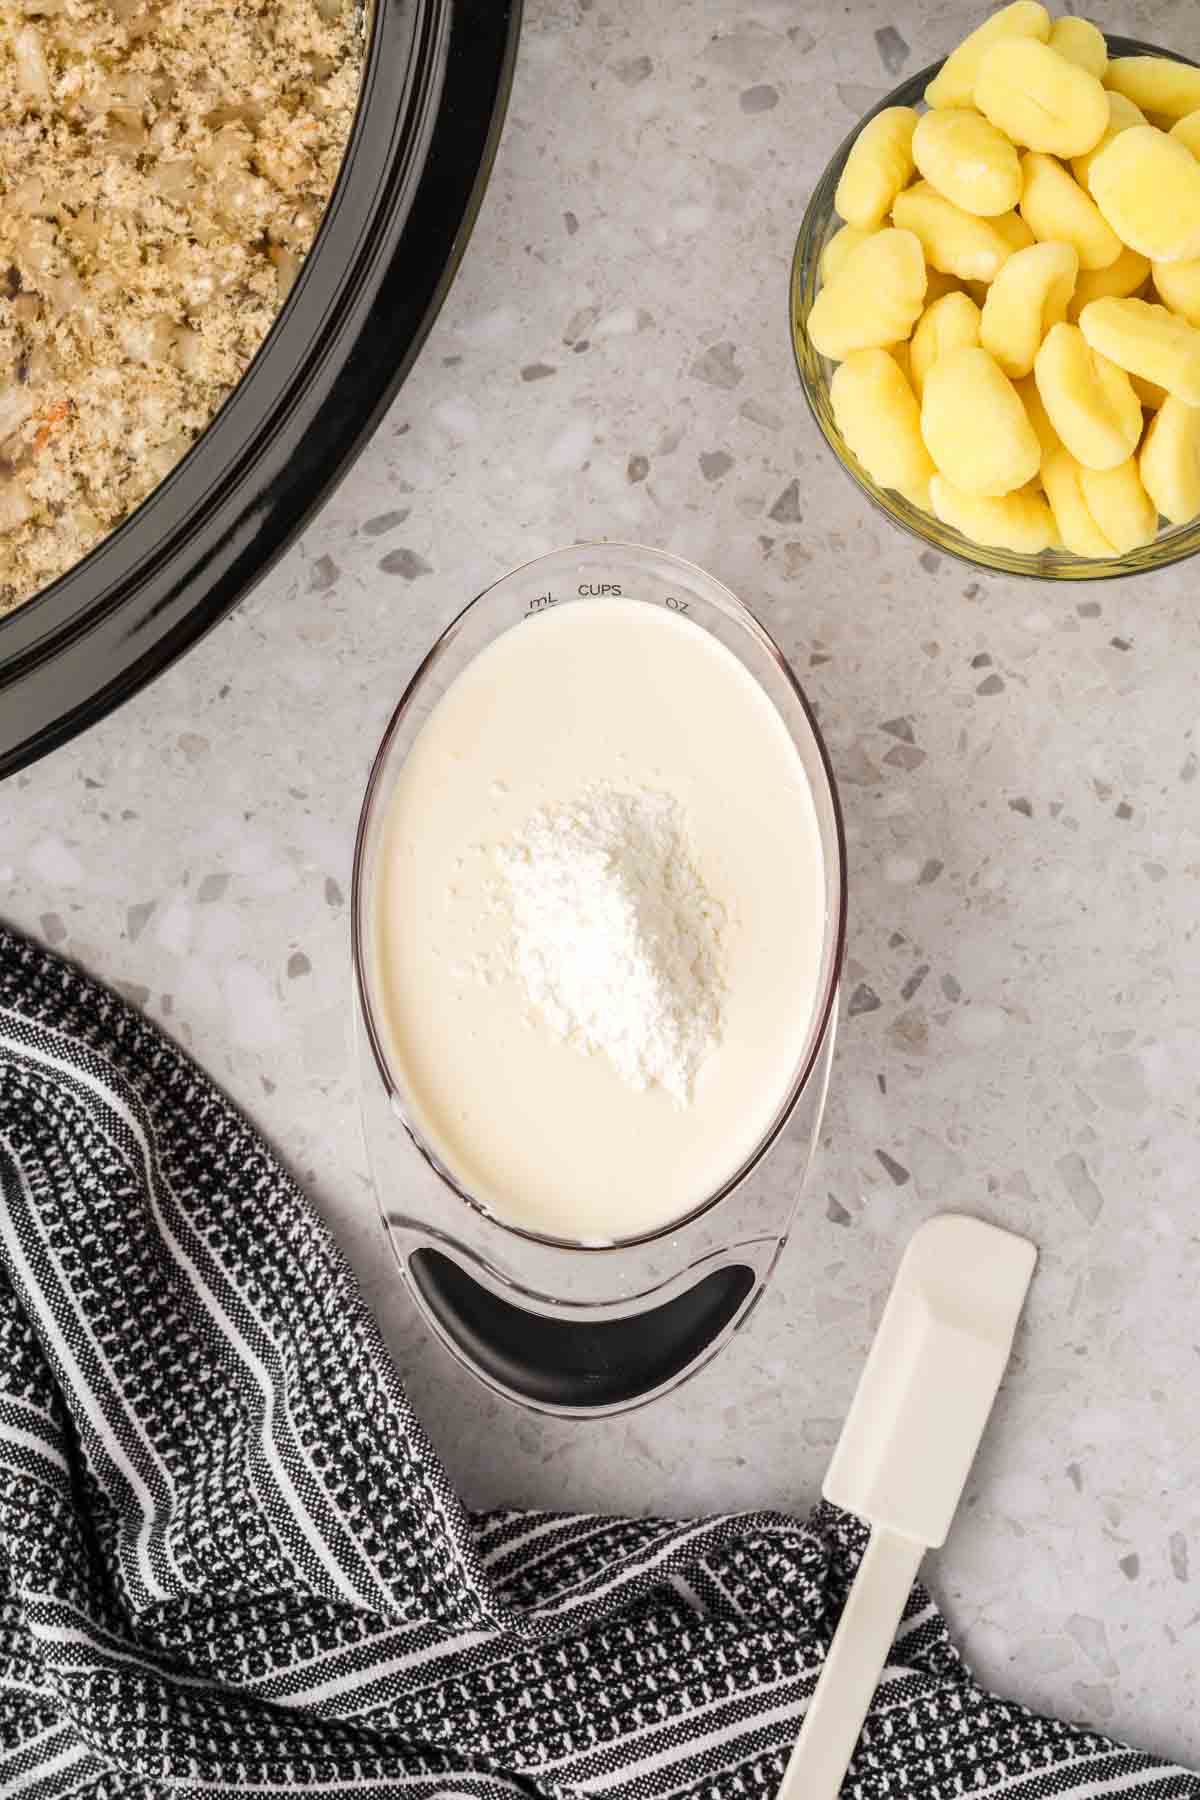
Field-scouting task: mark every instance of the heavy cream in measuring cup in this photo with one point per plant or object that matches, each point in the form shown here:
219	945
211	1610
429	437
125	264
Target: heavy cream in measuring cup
598	920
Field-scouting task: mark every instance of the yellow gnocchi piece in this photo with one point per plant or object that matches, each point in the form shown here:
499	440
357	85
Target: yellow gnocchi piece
1099	513
1027	298
877	414
1147	185
1120	505
1080	42
1078	530
1039	418
839	247
878	166
1186	131
1178	286
1038	99
1156	84
875	299
1121	278
950	323
1146	340
1056	209
967	160
974	425
1091	403
1170	461
1021	521
1014	230
954	84
1122	113
954	241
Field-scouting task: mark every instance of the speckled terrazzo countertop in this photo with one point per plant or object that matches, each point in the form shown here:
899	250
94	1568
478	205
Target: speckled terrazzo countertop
1018	766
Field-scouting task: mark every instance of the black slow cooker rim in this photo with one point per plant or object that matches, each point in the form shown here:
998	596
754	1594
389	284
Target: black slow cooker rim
435	87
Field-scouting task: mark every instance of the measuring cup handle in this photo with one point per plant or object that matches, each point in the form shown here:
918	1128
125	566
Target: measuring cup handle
573	1365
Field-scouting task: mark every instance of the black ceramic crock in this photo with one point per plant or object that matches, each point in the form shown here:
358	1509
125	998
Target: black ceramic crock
435	84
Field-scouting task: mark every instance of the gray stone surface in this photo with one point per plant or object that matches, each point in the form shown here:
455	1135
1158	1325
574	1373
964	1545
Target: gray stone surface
1018	765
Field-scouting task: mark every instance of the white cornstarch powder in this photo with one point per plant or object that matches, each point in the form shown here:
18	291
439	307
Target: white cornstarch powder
614	936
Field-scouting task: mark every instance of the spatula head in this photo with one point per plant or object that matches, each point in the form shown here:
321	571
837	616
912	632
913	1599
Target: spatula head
930	1380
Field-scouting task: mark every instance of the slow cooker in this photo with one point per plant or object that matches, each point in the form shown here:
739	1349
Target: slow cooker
436	79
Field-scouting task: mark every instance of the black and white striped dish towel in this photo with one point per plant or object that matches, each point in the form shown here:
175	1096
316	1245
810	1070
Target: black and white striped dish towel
230	1563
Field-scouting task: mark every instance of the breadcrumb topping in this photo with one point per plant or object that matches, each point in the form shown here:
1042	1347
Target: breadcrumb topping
164	165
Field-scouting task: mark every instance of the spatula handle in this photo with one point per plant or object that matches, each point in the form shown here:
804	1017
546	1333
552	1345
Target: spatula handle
856	1659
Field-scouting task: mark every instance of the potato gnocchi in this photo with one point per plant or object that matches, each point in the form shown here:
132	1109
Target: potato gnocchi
874	300
1178	287
1020	521
1146	340
878	416
975	427
1122	113
1057	211
948	324
1170	461
1080	42
954	84
956	242
1028	297
1147	185
1089	400
878	167
1039	99
1013	295
1156	84
967	160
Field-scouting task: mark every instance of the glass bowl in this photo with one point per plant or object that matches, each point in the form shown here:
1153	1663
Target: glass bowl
558	1324
1173	543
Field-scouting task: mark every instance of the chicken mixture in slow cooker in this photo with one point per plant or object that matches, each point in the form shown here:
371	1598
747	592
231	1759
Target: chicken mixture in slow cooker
164	165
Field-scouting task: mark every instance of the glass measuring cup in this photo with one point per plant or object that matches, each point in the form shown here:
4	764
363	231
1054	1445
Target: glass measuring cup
562	1326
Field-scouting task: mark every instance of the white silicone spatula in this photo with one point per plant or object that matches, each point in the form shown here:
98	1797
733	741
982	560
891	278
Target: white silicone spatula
904	1455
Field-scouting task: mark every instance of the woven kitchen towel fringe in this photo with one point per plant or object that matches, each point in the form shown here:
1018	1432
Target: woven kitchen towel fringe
230	1562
